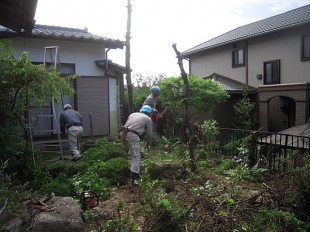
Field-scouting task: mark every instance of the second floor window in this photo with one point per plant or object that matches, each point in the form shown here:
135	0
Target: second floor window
305	48
272	72
238	57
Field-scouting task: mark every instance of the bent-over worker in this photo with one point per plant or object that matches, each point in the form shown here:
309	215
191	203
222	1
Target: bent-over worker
138	124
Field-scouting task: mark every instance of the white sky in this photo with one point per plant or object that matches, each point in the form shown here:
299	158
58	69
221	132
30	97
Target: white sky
157	24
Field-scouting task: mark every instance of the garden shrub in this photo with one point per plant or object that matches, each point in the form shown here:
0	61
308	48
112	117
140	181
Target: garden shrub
56	168
90	180
19	163
74	168
245	115
60	186
39	177
103	150
224	165
301	178
68	168
276	220
116	170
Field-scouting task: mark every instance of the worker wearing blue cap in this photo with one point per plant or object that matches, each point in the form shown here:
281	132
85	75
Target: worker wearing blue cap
137	125
151	99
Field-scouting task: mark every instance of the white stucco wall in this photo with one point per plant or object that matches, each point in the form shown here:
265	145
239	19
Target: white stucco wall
285	46
82	54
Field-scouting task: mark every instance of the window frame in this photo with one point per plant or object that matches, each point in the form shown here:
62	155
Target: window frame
70	66
273	81
235	62
302	48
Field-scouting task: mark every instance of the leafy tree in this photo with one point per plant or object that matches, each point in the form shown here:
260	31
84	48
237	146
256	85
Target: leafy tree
205	96
245	117
20	81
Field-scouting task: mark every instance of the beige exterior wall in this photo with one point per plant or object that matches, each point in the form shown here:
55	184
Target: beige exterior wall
284	45
217	60
82	54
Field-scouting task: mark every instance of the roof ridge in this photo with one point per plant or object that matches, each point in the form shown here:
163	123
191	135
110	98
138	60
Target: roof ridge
65	33
85	30
276	16
294	17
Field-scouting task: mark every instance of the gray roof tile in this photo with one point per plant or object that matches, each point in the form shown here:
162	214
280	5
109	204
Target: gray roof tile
108	63
65	33
230	85
282	21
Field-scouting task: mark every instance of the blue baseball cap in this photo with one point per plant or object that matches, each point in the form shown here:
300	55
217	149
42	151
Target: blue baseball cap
146	109
155	89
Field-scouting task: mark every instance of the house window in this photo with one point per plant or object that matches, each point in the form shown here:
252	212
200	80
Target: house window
272	72
238	57
305	48
64	68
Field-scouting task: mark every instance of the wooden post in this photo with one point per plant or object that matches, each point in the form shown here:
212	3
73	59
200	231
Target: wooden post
128	68
91	125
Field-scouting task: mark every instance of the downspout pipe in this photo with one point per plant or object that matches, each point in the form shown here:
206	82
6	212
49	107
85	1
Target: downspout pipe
246	64
105	73
107	61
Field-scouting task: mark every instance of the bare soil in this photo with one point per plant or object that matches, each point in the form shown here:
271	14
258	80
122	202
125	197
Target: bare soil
207	203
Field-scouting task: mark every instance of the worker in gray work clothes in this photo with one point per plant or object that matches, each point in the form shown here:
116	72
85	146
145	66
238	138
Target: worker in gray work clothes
138	124
151	99
71	120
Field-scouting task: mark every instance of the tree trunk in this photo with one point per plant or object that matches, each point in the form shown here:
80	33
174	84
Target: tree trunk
190	130
128	68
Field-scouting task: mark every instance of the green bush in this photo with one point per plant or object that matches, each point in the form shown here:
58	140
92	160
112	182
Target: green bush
74	168
90	180
103	150
39	177
115	170
301	178
56	168
276	220
60	186
68	168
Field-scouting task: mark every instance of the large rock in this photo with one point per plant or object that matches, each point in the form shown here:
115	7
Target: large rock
65	216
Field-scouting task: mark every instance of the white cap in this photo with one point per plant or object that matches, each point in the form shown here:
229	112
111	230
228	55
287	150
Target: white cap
66	106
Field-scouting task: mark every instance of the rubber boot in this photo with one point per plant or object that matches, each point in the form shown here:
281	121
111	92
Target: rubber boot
134	177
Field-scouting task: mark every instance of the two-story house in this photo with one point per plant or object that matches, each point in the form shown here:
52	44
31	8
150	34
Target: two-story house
272	56
99	88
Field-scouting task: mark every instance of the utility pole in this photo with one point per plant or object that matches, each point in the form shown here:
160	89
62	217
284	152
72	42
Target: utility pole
128	68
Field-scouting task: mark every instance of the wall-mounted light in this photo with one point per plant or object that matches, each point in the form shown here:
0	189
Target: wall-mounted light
259	76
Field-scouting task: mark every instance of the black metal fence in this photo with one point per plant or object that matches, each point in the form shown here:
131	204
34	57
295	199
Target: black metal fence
274	151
